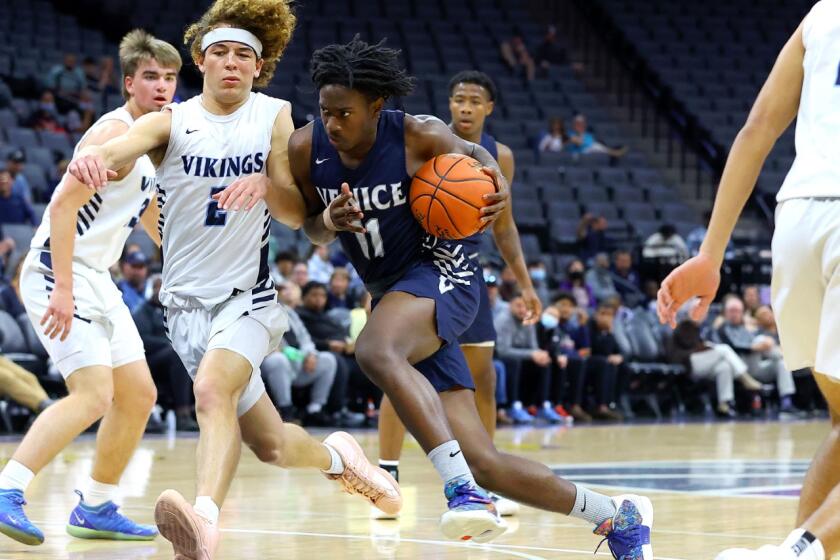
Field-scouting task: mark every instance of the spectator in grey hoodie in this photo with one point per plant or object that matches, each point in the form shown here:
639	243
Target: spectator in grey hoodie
600	279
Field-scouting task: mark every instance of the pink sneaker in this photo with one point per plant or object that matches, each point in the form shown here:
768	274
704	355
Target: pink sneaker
362	478
192	536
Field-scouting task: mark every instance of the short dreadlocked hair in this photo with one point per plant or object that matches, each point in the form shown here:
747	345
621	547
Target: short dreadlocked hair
373	70
272	21
474	77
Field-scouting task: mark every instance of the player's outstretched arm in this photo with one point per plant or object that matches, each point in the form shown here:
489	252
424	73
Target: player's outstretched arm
425	139
284	200
506	235
773	111
322	222
94	165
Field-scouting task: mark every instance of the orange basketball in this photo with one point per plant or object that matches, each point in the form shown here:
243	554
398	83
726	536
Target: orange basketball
446	195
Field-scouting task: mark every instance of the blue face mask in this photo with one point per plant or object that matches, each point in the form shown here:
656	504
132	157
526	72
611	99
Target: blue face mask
549	321
538	274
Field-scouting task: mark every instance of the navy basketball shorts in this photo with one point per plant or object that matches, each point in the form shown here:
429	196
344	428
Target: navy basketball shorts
481	332
456	302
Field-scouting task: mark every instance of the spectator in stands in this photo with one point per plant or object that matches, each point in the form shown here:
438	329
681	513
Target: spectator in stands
331	336
135	271
626	279
22	386
550	52
766	322
592	235
498	305
55	177
563	335
339	295
300	274
81	118
167	369
10	295
45	117
555	138
706	361
508	288
516	56
109	78
15	163
599	279
582	141
761	352
518	348
46	103
319	265
666	244
7	247
752	301
576	285
91	71
539	279
284	263
14	208
68	81
299	364
606	356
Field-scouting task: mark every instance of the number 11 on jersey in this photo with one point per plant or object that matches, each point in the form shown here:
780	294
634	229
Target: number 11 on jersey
371	242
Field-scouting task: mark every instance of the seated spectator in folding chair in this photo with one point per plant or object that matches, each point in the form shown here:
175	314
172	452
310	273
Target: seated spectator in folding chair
319	266
575	284
10	293
284	264
14	208
15	162
22	386
299	364
168	371
582	141
515	54
135	272
300	274
68	81
606	352
555	138
751	297
707	361
518	348
497	305
626	279
666	245
761	352
539	279
592	235
7	247
599	279
339	295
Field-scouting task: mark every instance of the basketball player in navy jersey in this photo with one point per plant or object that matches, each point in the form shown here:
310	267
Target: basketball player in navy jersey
354	166
472	96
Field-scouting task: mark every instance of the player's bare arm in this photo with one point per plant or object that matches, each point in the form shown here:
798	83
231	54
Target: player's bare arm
149	221
429	138
506	235
94	165
322	222
773	111
285	201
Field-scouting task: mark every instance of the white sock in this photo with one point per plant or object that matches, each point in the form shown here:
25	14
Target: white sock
547	404
804	545
449	462
207	508
336	464
313	408
517	405
592	506
15	476
97	493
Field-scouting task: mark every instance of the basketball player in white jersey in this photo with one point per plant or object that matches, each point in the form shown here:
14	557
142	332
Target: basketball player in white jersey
804	84
221	309
82	321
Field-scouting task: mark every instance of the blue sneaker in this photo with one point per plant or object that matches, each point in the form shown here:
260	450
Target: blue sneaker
628	533
105	522
13	521
548	414
472	514
520	416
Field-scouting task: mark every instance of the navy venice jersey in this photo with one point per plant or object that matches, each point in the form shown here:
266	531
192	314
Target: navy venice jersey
394	241
472	243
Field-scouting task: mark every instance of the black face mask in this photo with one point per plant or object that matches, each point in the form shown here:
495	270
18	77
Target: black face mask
576	275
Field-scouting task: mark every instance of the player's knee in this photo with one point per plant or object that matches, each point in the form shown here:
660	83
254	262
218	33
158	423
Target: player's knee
209	396
98	399
271	449
485	380
375	359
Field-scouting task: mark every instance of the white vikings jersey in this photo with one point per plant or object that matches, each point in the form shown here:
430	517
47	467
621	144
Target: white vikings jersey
816	169
209	254
106	220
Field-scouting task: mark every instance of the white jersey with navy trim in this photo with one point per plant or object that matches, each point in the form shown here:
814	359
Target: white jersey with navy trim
816	169
209	254
104	223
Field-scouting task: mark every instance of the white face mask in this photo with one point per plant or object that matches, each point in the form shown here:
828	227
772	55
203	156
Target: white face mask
549	321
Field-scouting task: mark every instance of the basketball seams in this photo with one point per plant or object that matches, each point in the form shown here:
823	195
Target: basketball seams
448	216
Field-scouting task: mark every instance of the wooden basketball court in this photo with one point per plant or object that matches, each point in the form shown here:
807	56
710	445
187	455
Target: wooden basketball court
713	486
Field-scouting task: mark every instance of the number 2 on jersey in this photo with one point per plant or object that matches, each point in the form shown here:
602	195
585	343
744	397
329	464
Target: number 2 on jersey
371	242
215	217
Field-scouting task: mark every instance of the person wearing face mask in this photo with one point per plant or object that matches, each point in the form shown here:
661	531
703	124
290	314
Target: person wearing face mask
539	278
575	284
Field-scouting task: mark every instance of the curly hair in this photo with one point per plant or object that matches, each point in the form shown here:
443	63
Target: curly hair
374	70
272	21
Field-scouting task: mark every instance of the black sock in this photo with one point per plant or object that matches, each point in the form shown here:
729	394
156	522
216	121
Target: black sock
393	468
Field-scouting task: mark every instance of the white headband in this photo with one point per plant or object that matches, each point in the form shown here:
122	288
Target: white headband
222	34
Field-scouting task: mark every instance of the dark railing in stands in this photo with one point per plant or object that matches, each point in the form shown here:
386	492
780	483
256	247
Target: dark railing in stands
611	58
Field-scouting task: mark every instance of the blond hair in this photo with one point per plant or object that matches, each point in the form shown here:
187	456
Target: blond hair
138	46
272	21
